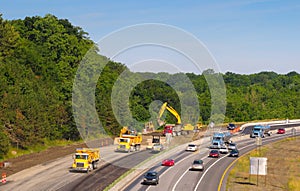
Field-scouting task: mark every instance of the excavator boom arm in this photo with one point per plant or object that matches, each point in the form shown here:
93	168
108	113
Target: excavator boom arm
171	110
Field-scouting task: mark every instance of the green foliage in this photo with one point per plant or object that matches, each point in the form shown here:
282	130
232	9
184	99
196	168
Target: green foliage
8	39
40	57
4	143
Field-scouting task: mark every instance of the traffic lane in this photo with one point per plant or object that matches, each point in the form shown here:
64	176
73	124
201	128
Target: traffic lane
138	185
170	175
189	180
100	178
170	178
180	177
248	130
276	136
42	177
51	175
212	178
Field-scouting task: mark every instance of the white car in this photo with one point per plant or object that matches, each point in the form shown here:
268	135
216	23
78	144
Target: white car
191	147
224	149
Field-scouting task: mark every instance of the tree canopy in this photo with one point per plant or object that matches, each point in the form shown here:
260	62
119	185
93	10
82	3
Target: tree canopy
39	58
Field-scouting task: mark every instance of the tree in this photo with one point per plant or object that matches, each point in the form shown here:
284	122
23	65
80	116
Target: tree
8	39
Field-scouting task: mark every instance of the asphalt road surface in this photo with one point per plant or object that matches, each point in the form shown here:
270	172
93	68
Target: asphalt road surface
180	177
55	175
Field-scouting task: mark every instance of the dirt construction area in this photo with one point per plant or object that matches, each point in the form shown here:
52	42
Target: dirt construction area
26	161
29	160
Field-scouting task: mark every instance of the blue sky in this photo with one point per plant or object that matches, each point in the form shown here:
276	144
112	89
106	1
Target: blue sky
245	37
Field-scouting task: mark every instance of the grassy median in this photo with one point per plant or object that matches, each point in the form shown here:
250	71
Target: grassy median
283	168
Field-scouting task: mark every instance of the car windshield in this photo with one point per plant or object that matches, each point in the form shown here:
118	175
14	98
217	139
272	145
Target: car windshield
214	151
198	162
151	174
192	145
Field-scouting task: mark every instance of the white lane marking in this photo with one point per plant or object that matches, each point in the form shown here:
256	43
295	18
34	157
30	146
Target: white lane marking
209	166
174	187
180	179
207	171
189	156
270	139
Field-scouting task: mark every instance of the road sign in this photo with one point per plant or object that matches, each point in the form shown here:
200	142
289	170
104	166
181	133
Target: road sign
258	165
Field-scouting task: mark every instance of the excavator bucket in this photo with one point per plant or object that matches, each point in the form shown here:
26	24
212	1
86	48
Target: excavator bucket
160	122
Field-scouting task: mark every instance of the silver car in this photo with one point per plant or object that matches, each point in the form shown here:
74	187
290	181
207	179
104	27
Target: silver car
157	147
197	165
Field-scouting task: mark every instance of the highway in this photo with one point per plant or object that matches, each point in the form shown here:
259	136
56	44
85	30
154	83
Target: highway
180	177
55	175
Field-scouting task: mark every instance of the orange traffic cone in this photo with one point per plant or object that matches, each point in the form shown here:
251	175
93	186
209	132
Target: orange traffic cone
3	178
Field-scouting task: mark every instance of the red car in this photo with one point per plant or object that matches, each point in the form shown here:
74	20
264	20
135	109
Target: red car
281	131
168	162
214	153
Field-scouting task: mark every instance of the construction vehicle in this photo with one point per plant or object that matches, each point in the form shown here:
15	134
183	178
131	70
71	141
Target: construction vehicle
187	128
174	129
198	126
149	127
129	140
260	131
86	159
156	143
151	142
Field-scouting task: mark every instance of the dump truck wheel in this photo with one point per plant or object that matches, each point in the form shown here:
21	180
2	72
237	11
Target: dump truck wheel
94	165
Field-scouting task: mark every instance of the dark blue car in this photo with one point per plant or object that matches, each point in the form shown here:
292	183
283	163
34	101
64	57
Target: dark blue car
234	153
231	126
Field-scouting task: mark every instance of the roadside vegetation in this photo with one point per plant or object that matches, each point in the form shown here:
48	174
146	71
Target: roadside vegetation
283	167
39	57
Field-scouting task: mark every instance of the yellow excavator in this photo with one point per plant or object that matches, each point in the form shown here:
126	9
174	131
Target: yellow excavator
171	110
174	129
178	128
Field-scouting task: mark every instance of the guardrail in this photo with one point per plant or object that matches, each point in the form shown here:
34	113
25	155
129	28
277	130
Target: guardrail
273	123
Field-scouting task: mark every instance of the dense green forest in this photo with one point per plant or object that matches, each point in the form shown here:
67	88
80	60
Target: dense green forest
39	58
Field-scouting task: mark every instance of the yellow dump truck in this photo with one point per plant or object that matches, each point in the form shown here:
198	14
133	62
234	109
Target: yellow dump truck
86	159
129	140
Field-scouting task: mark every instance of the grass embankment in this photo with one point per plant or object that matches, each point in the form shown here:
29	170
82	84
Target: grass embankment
16	152
283	168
